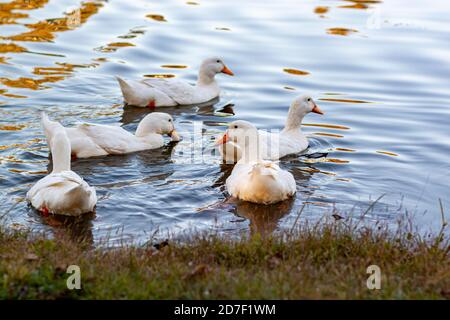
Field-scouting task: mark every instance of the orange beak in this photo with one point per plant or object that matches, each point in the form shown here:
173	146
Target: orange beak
222	140
227	71
316	109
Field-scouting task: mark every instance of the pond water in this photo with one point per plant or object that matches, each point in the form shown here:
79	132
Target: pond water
379	70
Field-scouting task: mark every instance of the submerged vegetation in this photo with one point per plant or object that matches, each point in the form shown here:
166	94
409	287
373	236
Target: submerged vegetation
326	260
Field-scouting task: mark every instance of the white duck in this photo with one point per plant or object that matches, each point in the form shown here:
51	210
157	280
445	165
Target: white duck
276	145
157	92
62	191
91	140
253	179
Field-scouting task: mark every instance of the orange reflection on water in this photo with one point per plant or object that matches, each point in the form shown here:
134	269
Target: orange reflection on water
355	6
12	127
113	46
343	100
329	160
159	75
22	145
52	70
11	47
387	153
22	5
26	171
156	17
50	74
14	159
63	69
364	1
340	161
344	179
345	150
321	10
5	93
173	66
313	170
7	16
43	31
30	83
332	135
341	31
296	71
324	125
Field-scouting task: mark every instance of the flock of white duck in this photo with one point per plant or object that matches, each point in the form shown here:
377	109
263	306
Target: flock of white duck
256	177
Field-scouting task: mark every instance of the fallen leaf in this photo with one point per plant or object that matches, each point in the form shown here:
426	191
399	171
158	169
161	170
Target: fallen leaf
31	257
199	270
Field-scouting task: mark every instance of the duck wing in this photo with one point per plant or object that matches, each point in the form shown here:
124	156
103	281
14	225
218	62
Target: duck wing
112	139
48	181
267	169
180	91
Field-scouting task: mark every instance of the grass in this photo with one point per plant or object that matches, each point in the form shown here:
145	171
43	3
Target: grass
327	260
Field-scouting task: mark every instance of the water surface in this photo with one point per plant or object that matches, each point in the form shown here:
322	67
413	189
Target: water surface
379	70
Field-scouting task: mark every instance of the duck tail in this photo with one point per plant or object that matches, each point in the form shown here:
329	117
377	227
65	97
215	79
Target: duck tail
264	169
127	90
256	169
78	189
81	194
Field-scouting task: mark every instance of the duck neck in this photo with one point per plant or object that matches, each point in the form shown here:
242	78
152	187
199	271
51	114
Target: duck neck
294	121
206	78
61	152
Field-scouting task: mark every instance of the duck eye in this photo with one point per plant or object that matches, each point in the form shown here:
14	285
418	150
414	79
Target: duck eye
218	61
170	120
235	126
309	99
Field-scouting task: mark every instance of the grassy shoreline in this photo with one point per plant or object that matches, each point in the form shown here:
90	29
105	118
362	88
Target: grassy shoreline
327	261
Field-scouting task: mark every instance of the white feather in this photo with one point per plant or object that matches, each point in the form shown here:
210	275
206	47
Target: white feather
276	145
62	191
171	92
91	140
254	179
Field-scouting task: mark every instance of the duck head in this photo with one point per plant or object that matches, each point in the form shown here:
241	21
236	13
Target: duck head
158	122
210	67
305	104
300	107
245	135
239	132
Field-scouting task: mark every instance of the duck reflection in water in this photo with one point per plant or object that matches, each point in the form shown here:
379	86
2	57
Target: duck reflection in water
263	219
210	108
77	229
